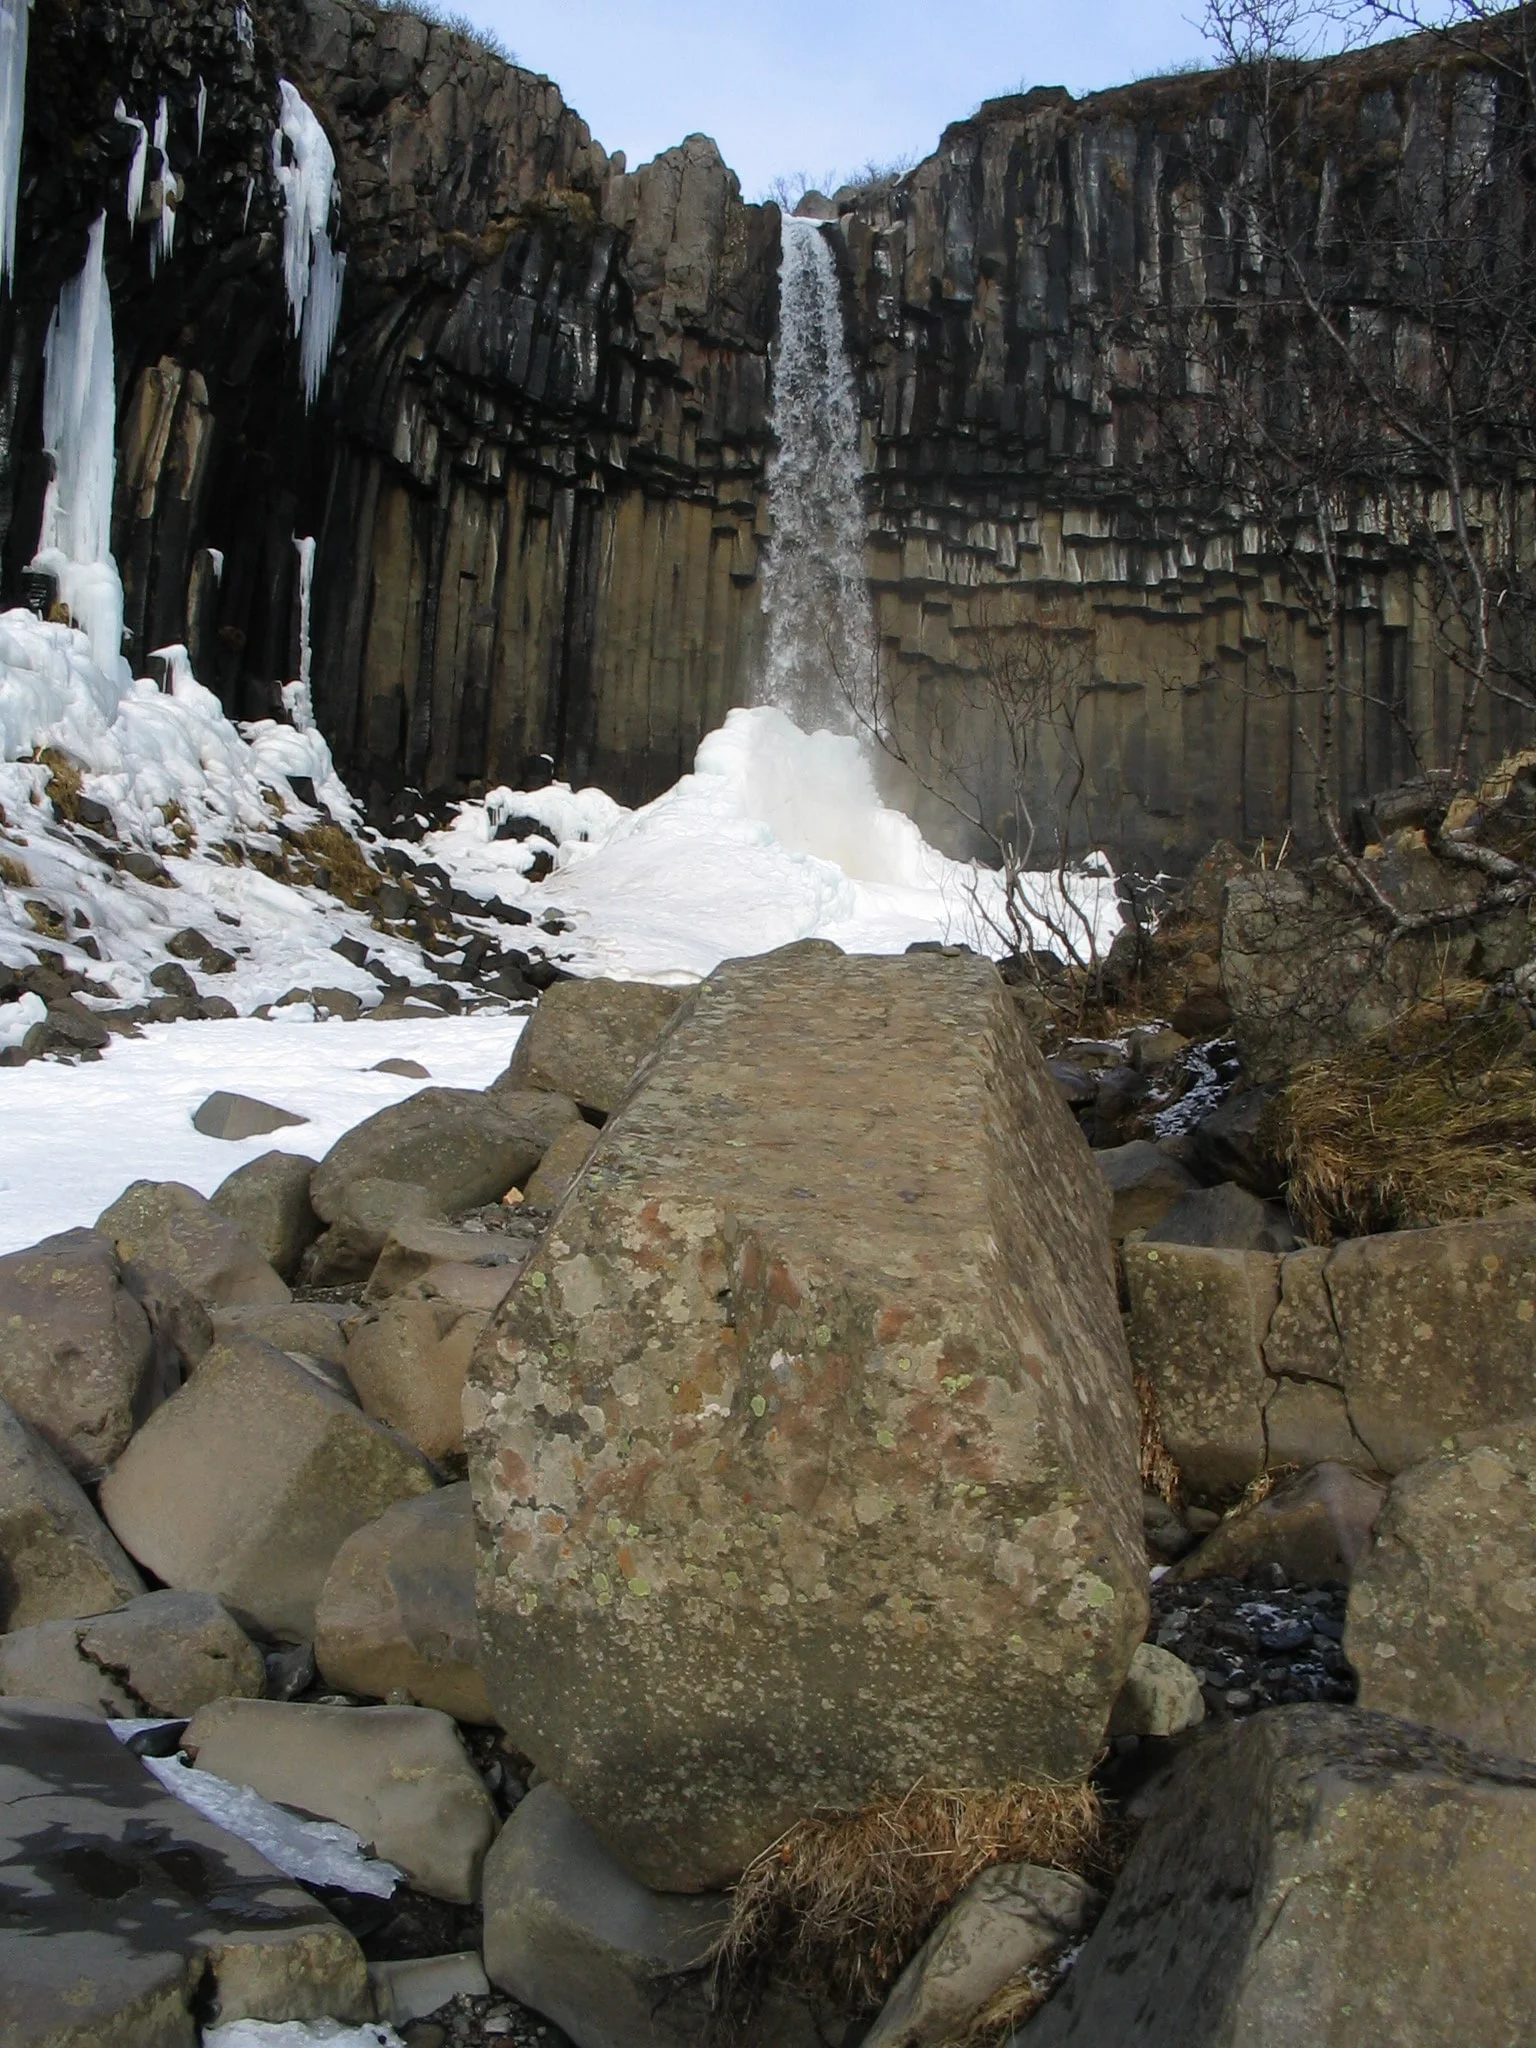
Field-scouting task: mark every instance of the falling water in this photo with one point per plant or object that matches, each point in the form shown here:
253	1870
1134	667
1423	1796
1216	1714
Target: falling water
821	639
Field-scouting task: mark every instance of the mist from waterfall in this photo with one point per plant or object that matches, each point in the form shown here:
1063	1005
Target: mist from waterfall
821	637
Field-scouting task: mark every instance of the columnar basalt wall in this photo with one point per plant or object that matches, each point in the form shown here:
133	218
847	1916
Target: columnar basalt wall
537	467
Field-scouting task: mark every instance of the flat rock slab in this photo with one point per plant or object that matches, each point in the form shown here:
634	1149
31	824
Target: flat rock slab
805	1449
164	1653
224	1115
1317	1877
122	1908
57	1557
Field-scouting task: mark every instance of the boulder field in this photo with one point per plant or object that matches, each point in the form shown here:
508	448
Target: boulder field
757	1420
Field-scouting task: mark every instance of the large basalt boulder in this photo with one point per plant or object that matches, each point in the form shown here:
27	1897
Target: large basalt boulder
464	1148
397	1615
57	1557
166	1653
399	1777
1316	1877
1315	1526
1144	1181
1370	1354
162	1223
129	1917
408	1361
1442	1611
268	1198
311	1328
249	1480
77	1359
588	1039
805	1450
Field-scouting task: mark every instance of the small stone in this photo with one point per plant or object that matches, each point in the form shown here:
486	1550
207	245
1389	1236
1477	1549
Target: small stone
240	1116
408	1070
1161	1696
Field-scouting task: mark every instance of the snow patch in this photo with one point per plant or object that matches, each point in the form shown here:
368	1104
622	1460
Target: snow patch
312	270
300	2034
13	107
17	1019
321	1852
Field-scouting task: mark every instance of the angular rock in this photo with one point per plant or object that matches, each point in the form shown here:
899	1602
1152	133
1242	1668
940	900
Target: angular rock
1442	1611
367	1212
569	1932
312	1328
419	1985
164	1653
1144	1182
162	1223
1316	1527
473	1269
464	1148
552	1179
129	1917
408	1361
58	1558
1197	1326
588	1039
1161	1696
248	1481
407	1070
1227	1218
234	1117
397	1614
77	1360
398	1776
268	1198
1012	1918
804	1451
1316	1877
1229	1144
182	1328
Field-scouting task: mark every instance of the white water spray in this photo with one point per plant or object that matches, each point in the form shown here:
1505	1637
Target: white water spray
297	700
164	239
13	107
80	433
821	636
312	269
137	165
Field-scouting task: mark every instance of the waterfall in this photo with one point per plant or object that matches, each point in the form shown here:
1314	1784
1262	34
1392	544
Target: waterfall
312	269
13	106
821	638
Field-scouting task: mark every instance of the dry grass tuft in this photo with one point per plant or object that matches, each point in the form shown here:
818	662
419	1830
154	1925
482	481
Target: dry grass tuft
1159	1474
63	784
839	1906
13	873
330	847
1432	1120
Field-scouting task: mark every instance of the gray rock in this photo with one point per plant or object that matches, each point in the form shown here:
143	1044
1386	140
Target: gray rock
569	1932
268	1198
1228	1145
127	1913
1315	1526
1013	1918
182	1328
249	1480
1161	1696
311	1328
162	1223
367	1212
58	1559
397	1615
77	1359
1227	1218
588	1039
398	1776
421	1985
408	1070
473	1269
408	1361
1316	1877
551	1180
164	1653
1144	1181
1442	1611
757	1409
464	1148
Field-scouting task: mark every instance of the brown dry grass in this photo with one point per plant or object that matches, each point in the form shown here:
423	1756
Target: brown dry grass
14	873
1159	1474
838	1906
330	847
63	783
1430	1121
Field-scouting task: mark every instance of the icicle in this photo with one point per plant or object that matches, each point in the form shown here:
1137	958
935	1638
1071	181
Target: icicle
245	28
312	270
13	107
80	432
250	194
202	112
297	699
140	161
165	227
216	562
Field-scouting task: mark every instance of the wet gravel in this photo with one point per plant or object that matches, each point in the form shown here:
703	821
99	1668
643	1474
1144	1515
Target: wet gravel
1256	1643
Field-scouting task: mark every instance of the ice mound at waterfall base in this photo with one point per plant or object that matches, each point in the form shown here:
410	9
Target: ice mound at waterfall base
777	835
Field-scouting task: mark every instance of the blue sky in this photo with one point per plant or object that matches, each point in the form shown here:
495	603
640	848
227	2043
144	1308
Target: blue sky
795	86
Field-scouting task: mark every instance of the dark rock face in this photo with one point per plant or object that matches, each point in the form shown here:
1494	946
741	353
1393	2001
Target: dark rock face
537	468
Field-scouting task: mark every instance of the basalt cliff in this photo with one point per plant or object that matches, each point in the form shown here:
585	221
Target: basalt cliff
536	470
